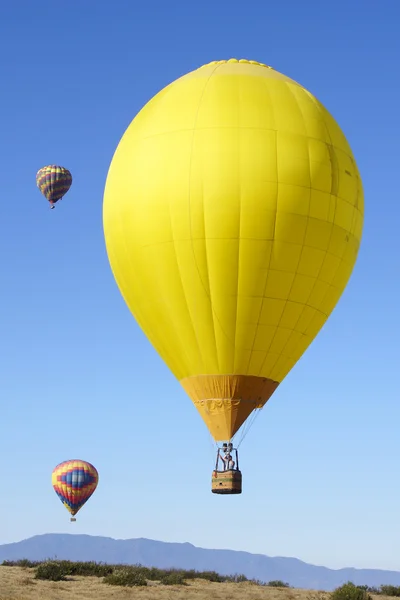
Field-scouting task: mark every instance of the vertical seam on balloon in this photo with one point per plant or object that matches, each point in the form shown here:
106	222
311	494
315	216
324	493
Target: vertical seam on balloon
204	226
181	282
304	335
288	86
205	237
190	222
332	192
238	250
273	234
316	103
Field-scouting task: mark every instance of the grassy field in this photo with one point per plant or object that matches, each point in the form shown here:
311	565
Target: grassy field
68	580
18	583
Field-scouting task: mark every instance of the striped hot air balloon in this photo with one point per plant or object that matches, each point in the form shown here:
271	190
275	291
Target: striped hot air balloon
74	481
54	182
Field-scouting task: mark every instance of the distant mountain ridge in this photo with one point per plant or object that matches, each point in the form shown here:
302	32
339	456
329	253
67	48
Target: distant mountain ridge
153	553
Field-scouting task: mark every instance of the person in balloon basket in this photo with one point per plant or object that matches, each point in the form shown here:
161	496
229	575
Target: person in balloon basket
228	462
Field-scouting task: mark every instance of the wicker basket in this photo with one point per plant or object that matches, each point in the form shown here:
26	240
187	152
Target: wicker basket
226	482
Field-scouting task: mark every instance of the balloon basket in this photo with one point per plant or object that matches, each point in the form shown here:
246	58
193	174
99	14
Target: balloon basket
72	519
226	482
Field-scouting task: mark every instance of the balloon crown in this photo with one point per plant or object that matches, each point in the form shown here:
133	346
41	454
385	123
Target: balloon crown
236	60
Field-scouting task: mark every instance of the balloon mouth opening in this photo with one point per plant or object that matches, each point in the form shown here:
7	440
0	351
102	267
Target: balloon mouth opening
243	61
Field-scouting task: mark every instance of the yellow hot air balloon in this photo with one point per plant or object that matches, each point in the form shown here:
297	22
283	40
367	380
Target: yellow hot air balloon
233	215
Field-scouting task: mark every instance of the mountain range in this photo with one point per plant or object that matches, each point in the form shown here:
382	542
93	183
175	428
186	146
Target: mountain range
153	553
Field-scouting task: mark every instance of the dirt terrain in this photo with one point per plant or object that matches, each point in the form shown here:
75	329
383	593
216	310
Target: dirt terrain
18	583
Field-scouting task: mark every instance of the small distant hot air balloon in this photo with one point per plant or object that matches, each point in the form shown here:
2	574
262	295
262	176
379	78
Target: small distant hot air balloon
74	481
233	214
54	182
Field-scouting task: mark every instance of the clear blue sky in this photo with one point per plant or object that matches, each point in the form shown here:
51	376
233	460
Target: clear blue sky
321	463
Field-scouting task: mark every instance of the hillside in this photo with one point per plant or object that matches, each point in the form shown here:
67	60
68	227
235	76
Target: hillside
153	553
18	583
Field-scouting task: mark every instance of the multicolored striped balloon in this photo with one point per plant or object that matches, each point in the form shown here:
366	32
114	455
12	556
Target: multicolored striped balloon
74	481
54	182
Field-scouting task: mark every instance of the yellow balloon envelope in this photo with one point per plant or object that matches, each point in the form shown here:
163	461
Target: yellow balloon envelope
233	215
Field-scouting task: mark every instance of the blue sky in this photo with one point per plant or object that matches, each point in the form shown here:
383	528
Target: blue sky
321	463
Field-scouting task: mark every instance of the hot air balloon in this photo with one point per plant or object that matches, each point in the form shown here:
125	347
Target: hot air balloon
74	481
54	182
233	215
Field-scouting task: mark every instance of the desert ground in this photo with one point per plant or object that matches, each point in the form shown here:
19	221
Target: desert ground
18	583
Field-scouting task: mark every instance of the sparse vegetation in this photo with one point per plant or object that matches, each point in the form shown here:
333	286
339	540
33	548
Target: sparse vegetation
349	591
174	578
390	590
24	563
84	579
278	584
126	576
60	570
370	590
136	581
51	570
